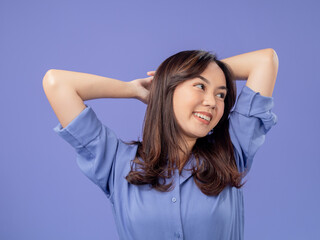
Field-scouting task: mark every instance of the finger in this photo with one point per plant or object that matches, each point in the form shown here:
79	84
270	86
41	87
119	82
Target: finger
148	83
151	73
149	78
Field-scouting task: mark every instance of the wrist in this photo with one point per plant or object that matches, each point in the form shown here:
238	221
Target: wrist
132	90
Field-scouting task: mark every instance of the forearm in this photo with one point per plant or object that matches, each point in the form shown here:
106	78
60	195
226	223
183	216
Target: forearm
242	64
89	86
259	68
66	91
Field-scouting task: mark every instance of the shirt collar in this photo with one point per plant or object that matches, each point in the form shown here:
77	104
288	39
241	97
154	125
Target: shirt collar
187	169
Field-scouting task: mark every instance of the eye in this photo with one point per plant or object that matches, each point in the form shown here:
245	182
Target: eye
199	85
221	95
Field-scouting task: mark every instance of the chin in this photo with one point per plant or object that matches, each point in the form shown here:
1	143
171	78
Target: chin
202	135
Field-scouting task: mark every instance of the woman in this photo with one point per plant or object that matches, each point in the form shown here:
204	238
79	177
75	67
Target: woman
183	181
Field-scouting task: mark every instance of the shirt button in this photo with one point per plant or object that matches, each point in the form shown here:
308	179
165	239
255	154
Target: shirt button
176	234
173	199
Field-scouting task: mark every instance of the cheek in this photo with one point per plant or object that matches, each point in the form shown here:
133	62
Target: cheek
177	104
220	110
183	100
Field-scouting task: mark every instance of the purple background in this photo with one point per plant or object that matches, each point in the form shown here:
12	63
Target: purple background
43	193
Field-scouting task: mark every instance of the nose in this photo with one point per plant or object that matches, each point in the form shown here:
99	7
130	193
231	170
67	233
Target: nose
209	100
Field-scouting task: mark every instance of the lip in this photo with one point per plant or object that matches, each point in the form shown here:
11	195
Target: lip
203	120
205	113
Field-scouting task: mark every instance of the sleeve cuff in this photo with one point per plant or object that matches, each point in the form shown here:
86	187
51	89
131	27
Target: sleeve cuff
82	129
250	103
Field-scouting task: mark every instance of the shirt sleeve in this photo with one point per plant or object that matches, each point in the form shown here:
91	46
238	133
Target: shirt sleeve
249	122
96	146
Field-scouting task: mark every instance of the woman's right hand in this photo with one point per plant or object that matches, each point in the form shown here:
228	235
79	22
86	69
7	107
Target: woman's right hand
142	87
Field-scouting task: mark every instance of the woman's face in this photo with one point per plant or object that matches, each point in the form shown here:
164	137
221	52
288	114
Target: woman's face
198	103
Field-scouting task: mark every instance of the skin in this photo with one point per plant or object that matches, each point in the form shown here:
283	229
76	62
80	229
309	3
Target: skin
200	95
67	90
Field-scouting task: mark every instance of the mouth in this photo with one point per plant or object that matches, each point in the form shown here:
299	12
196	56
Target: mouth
204	117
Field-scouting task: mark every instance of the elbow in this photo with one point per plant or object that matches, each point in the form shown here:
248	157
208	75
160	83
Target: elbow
271	57
49	79
270	61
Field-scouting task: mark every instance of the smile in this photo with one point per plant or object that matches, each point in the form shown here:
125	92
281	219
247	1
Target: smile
202	117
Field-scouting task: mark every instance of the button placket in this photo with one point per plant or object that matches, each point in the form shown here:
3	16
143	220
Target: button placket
177	234
175	201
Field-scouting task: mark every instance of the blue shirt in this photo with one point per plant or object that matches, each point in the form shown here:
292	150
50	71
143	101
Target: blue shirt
184	213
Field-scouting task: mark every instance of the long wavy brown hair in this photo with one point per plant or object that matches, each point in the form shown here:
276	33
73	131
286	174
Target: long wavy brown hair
158	153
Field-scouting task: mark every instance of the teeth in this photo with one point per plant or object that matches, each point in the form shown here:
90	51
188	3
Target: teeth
202	116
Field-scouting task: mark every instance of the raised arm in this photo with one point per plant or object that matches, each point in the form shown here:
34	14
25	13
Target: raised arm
67	91
259	68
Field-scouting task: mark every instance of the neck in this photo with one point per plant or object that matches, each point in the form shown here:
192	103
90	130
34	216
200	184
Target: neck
184	155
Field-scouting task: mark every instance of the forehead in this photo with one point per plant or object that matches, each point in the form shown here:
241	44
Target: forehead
214	74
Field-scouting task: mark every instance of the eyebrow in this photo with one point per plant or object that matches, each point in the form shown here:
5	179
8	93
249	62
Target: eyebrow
208	82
